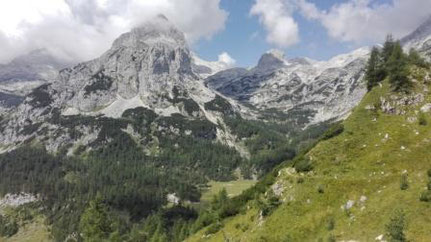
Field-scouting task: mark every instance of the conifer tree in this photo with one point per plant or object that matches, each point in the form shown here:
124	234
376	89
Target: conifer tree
388	48
416	59
375	72
397	67
95	224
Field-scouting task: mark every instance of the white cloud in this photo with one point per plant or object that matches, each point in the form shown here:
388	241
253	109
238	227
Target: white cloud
366	20
356	21
226	59
276	16
83	29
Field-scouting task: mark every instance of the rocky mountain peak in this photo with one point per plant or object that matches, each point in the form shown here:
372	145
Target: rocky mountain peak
271	60
156	46
156	31
149	66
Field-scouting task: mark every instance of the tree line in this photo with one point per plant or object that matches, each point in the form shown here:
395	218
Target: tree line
391	62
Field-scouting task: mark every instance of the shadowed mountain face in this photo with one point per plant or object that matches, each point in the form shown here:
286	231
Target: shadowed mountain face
9	100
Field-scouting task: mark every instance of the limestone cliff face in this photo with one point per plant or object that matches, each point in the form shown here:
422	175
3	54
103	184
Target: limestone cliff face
149	67
151	62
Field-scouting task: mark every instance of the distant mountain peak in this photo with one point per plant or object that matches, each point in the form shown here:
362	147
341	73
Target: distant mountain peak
279	54
39	57
37	65
271	60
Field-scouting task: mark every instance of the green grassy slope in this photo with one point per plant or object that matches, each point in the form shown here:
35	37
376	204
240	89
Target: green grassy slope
31	224
233	188
365	165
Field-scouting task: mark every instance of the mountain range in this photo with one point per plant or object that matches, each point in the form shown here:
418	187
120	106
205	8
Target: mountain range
148	122
24	73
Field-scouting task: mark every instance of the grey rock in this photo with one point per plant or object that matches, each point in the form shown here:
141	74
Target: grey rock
148	67
307	90
420	39
426	108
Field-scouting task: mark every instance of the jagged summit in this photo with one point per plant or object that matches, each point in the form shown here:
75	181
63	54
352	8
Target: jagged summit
271	60
149	66
154	31
309	91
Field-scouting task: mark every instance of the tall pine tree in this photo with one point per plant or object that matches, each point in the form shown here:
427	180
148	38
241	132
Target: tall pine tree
388	48
375	72
397	67
95	224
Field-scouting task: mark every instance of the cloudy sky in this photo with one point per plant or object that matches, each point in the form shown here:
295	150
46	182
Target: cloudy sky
236	31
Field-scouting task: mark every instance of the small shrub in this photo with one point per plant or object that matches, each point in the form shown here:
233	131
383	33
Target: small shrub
422	120
229	209
300	180
396	226
415	59
287	238
333	131
303	164
267	207
404	184
425	196
331	238
213	228
429	185
331	224
429	173
244	228
8	227
321	189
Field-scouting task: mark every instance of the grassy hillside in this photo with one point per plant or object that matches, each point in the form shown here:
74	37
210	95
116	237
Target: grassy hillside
363	183
23	224
233	188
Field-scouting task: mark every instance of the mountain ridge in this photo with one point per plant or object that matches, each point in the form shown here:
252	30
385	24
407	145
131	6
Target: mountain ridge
301	86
